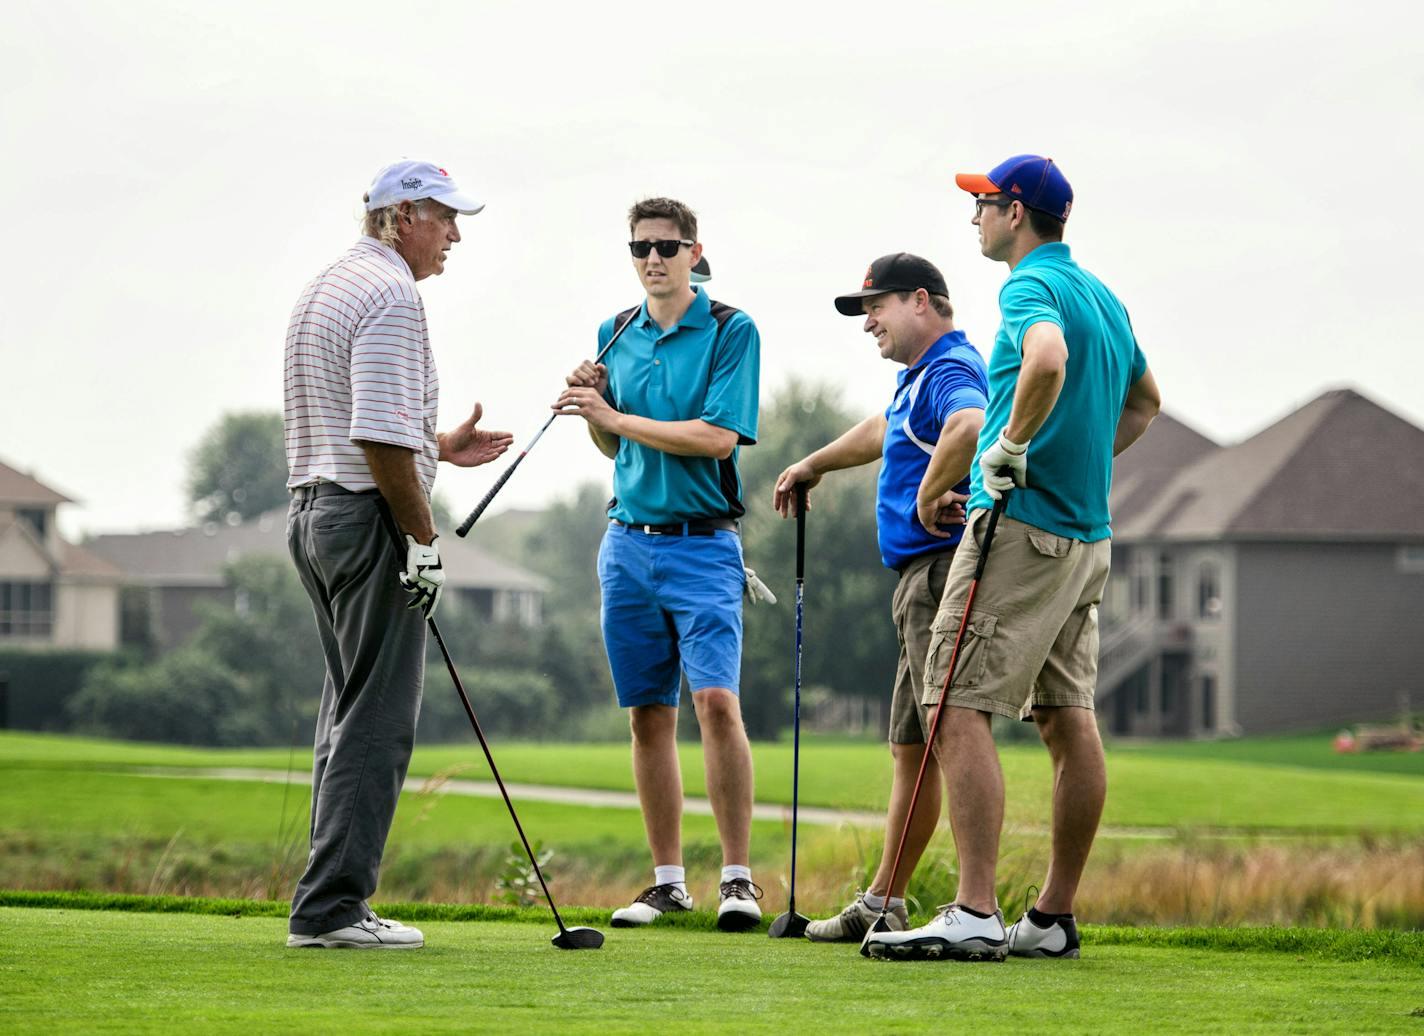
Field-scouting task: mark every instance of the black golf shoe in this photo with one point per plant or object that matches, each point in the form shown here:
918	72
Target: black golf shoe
738	910
1059	939
651	904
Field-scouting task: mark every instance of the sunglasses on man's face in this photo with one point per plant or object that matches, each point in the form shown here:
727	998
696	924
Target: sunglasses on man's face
666	249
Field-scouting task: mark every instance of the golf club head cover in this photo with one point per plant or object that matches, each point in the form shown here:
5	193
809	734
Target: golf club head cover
424	575
755	589
1004	454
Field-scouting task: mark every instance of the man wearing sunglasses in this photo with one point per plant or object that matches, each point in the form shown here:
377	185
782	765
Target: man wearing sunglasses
675	400
1069	389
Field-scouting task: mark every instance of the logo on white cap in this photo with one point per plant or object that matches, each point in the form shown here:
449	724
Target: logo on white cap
408	180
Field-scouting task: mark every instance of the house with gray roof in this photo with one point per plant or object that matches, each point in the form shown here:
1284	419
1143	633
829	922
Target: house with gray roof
167	573
1276	584
53	594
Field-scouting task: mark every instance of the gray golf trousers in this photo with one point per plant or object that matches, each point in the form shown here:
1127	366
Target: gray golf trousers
365	728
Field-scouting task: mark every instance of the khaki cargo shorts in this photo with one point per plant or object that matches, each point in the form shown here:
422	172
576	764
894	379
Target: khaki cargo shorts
913	608
1032	639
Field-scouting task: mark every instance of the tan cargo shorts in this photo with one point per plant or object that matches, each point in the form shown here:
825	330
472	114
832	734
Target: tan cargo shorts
913	607
1032	639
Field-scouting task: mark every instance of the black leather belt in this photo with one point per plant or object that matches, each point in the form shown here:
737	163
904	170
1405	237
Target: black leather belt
326	489
696	527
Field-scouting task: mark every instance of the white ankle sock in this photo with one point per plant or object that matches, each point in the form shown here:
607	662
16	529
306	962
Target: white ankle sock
736	870
671	876
878	902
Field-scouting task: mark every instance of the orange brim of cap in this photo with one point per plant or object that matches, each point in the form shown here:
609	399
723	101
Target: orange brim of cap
976	183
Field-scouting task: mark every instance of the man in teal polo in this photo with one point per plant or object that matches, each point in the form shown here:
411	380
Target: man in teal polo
674	401
1069	389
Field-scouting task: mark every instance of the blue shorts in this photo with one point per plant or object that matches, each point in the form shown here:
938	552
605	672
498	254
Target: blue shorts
671	604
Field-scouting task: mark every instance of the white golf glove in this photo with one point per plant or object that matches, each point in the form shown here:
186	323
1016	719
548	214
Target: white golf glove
424	576
756	590
1005	453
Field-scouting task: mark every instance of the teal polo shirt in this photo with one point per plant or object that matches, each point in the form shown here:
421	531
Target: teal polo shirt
695	370
1070	459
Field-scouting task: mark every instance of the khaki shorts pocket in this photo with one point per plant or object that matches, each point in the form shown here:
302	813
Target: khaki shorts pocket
1050	545
973	650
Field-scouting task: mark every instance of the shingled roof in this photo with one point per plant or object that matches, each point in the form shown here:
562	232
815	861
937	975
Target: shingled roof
1340	467
20	490
196	557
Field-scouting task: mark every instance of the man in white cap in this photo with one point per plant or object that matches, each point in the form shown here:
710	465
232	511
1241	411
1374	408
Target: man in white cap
361	398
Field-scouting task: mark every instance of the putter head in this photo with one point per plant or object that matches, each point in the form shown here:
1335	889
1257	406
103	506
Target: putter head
880	925
789	925
578	939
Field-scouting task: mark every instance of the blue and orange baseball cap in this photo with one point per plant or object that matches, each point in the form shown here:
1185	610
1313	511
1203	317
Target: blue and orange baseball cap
1032	179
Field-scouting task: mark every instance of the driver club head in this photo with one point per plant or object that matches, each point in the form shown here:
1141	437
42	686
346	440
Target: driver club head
789	925
880	925
578	939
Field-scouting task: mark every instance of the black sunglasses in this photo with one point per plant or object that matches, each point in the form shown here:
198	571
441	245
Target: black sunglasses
666	249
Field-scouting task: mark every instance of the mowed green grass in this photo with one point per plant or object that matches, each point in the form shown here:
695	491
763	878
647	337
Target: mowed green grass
92	971
1288	786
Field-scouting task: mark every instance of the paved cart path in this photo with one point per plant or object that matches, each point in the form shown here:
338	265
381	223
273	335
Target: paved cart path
627	800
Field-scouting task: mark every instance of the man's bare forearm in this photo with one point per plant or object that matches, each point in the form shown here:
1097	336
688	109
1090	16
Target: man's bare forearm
860	444
679	438
1045	364
1143	402
393	468
953	454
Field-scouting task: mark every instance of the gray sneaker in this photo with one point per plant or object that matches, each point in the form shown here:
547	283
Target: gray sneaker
370	933
851	924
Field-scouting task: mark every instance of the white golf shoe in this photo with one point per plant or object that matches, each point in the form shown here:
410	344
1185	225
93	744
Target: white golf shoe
651	904
738	910
1059	939
370	933
954	934
851	924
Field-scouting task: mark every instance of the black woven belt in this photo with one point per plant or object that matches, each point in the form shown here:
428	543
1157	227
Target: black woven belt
696	527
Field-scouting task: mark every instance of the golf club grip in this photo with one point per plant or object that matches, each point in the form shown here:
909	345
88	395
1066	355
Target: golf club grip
474	515
801	491
997	510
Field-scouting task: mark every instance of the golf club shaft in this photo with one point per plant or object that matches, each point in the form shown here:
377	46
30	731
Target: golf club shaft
464	527
796	708
394	530
939	706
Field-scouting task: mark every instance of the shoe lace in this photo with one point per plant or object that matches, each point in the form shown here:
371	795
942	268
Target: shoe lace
652	892
1030	897
740	888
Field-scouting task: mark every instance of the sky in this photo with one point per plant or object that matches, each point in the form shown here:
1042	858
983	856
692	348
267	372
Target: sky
1245	177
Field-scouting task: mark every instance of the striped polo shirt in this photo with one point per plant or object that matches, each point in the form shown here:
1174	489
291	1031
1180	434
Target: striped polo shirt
359	369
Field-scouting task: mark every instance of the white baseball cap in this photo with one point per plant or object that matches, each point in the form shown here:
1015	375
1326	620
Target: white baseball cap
408	180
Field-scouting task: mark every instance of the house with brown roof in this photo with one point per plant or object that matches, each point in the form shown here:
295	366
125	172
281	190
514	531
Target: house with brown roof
1276	584
53	594
167	573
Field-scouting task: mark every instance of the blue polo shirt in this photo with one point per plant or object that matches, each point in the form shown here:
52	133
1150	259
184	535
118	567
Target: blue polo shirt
689	372
950	376
1070	459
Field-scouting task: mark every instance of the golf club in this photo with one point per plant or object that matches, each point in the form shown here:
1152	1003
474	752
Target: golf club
881	925
577	938
474	515
791	925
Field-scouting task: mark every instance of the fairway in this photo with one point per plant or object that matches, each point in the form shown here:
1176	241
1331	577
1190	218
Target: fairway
95	971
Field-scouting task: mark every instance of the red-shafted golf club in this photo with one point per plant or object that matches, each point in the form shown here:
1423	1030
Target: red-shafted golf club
881	925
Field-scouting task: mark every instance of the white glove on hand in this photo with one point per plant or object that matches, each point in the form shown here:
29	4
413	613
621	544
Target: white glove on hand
424	576
1004	454
756	590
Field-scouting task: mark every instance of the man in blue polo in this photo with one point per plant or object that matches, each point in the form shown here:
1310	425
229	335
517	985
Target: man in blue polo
1069	389
674	401
925	440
